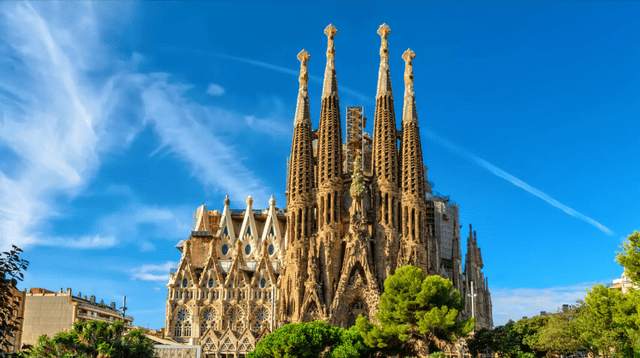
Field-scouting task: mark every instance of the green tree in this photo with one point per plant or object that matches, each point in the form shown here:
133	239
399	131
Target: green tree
94	340
481	341
562	334
11	268
609	324
629	257
415	312
529	331
508	342
313	339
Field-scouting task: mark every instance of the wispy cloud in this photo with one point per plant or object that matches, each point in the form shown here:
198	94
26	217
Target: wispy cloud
58	119
215	90
272	67
86	242
153	272
519	302
515	181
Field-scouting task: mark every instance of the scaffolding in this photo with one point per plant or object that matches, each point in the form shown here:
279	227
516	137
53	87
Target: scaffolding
355	130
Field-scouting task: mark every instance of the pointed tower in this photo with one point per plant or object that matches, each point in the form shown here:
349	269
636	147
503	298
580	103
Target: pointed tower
386	192
300	200
330	188
413	188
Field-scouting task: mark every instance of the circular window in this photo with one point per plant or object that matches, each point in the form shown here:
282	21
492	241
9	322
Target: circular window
225	249
263	283
247	249
184	282
210	282
261	315
271	249
183	314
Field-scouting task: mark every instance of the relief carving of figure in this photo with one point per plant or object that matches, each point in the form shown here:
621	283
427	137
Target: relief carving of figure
357	189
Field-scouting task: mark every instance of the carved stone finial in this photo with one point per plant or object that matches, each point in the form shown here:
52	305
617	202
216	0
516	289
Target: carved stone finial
330	31
408	57
384	32
227	201
272	201
249	200
303	57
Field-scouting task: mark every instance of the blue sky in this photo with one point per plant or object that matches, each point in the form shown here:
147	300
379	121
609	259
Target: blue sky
118	119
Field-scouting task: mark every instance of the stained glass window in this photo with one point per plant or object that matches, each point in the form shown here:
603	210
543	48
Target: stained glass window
263	283
247	249
210	282
262	314
225	249
271	249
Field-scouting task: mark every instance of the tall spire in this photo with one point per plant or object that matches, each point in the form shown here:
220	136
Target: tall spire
302	107
300	198
330	86
329	194
384	79
412	167
301	165
330	129
386	190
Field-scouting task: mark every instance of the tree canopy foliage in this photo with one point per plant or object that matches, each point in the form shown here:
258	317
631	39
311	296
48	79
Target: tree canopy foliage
92	340
606	322
414	312
313	339
629	257
11	271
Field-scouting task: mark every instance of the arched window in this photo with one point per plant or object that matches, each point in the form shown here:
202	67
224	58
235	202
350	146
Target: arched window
263	283
184	282
225	249
247	249
210	283
271	249
187	329
178	330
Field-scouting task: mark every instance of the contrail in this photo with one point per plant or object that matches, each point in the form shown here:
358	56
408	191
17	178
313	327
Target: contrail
515	181
272	67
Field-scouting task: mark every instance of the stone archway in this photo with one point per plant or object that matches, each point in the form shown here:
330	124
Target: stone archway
357	307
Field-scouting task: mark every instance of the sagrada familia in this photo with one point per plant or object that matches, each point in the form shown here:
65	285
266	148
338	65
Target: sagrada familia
356	211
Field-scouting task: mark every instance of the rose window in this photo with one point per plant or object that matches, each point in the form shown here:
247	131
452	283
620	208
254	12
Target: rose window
183	314
262	315
209	315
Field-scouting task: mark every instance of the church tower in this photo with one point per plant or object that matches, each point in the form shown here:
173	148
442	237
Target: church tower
415	245
300	201
330	187
385	188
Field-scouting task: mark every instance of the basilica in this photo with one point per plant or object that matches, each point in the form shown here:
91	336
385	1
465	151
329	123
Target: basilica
357	209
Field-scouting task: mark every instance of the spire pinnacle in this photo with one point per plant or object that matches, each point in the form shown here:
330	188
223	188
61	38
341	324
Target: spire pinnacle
384	78
409	113
330	86
384	32
302	107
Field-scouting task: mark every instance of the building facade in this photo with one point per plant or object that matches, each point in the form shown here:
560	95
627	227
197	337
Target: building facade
357	209
48	312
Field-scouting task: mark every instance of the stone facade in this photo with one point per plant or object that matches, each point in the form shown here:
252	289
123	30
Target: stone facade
347	227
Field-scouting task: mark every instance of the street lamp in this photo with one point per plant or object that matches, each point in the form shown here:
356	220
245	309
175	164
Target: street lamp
124	309
472	295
